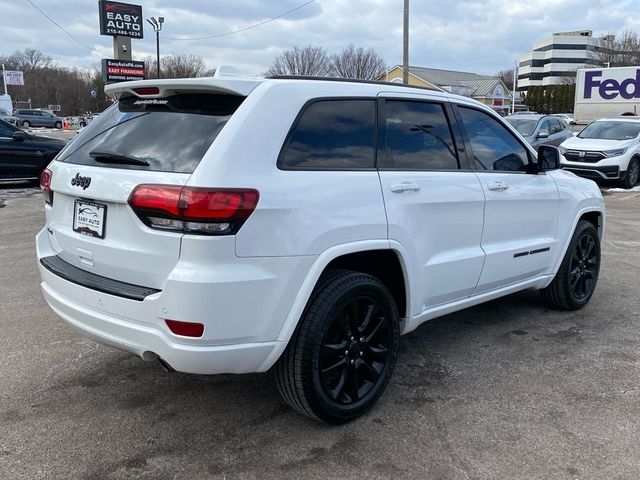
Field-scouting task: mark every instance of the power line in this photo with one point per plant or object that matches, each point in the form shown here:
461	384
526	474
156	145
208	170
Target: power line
62	28
242	29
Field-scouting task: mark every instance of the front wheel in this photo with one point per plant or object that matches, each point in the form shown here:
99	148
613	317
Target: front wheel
633	174
341	356
58	125
26	124
576	280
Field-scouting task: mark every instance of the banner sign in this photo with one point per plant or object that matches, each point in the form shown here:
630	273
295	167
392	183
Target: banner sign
121	70
13	77
120	19
55	108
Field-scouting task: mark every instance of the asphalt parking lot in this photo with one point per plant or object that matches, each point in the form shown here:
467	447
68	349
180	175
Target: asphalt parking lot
505	390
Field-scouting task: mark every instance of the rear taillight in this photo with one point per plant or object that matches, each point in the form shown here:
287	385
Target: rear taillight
45	185
202	211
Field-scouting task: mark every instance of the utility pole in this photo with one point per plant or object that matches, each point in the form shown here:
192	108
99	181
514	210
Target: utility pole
405	44
515	80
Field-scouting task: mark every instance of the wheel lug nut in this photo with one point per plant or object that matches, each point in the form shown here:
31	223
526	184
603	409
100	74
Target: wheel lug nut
352	362
352	339
346	352
361	353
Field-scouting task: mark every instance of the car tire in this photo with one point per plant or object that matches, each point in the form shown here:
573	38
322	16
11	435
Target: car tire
58	125
26	124
342	354
632	175
576	280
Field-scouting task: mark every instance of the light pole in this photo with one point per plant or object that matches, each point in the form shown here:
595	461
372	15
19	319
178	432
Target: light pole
157	26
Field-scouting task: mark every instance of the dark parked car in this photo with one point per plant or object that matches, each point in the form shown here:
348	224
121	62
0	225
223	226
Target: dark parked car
540	129
38	118
23	156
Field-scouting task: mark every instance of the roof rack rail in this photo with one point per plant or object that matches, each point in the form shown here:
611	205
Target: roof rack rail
346	80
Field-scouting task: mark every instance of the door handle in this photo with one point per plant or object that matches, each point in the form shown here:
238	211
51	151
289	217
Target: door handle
404	186
497	186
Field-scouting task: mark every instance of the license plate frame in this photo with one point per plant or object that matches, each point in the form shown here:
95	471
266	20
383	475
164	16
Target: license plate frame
89	218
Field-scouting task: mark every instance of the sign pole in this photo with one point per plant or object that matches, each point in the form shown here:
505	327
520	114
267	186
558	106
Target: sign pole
122	48
4	79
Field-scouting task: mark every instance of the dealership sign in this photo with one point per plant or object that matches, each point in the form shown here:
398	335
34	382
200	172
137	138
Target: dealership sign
13	77
608	85
120	19
121	70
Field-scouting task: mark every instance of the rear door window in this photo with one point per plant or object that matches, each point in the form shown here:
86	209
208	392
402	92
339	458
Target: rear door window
418	137
166	135
332	135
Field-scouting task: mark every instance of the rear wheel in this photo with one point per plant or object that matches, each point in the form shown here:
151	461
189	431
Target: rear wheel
633	174
58	125
26	124
342	354
577	277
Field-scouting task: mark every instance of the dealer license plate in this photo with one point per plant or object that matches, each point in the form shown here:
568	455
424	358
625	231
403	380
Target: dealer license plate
89	218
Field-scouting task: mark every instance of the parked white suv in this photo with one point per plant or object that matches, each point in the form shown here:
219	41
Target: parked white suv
235	225
607	149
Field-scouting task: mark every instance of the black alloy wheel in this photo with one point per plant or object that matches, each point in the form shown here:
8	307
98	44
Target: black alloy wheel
341	356
633	174
583	270
576	279
355	351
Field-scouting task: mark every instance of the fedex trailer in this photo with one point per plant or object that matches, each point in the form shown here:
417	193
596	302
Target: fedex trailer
606	92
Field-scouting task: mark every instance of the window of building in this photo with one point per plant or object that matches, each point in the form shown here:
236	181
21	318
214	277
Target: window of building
494	147
418	137
333	134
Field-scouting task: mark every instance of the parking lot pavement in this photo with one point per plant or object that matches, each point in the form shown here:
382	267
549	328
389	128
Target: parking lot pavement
507	390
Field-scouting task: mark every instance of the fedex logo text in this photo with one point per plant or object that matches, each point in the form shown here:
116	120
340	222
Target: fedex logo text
610	88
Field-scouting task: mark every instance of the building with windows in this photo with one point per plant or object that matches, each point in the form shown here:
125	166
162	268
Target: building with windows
486	89
556	58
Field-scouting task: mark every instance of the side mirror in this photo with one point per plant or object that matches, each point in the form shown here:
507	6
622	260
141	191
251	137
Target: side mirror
19	136
548	158
543	133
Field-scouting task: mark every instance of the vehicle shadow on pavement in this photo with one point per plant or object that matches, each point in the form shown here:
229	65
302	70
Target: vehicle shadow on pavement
237	423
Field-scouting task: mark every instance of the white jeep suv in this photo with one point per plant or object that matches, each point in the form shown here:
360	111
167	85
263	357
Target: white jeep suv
607	149
232	225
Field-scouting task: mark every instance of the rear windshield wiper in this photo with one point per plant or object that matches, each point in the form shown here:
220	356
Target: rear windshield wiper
112	157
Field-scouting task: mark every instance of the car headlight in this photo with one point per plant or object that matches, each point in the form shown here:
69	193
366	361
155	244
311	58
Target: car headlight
614	153
563	150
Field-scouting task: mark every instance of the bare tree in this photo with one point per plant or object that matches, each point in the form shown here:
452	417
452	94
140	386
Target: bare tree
308	61
177	66
357	63
507	77
618	51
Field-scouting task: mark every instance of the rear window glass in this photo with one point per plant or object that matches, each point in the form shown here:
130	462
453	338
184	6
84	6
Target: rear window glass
334	135
168	135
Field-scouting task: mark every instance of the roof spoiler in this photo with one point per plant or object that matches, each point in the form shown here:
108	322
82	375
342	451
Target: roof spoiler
226	80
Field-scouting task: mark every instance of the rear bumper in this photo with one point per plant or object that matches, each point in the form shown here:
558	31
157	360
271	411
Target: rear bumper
242	303
142	340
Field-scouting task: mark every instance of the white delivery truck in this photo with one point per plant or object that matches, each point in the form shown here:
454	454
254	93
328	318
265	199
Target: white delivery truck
5	103
606	92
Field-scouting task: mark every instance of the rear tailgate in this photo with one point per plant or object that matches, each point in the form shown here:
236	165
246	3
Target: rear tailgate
130	251
157	141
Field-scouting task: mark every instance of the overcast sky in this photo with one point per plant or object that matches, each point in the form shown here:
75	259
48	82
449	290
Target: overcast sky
482	36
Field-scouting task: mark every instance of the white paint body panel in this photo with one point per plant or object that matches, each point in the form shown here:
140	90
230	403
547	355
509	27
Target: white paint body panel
454	240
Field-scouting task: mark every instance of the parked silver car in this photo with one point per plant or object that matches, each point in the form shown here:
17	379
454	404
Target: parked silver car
540	129
38	118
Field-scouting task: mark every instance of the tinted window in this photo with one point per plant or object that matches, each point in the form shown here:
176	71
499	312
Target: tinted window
171	135
333	134
611	130
494	147
544	126
418	137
